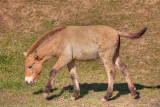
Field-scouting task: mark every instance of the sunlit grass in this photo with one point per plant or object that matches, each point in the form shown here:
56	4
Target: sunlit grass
141	55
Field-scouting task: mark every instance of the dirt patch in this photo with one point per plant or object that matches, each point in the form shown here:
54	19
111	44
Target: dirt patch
31	15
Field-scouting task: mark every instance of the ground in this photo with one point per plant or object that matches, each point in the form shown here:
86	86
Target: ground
24	21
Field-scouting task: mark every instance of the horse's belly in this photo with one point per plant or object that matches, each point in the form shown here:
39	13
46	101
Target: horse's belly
86	53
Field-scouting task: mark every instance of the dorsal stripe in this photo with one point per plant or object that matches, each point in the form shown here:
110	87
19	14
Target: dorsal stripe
42	39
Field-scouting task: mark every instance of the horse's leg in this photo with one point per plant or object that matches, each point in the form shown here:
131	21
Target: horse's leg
74	76
107	58
62	61
123	69
109	67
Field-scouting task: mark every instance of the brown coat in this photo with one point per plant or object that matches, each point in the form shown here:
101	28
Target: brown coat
78	43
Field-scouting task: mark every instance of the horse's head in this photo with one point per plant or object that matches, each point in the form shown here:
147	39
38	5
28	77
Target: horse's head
33	68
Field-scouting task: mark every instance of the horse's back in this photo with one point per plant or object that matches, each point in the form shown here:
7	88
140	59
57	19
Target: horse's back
84	41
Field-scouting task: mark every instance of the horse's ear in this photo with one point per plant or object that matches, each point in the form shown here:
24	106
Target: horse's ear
25	54
35	55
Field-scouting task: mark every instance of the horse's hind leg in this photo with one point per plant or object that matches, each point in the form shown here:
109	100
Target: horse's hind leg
73	74
107	51
123	69
107	58
62	61
109	66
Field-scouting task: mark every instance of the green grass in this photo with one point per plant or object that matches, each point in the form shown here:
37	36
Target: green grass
27	20
48	24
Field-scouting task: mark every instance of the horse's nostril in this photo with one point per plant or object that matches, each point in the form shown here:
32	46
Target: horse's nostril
26	83
31	83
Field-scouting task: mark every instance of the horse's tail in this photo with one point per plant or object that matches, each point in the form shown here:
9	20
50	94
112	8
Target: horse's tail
132	35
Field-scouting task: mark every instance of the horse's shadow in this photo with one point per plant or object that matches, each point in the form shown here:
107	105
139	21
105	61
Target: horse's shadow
122	89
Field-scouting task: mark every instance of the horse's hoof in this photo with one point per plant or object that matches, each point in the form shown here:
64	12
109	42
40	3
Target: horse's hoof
73	98
135	96
104	100
45	95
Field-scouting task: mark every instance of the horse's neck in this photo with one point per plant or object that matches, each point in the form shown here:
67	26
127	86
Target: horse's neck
46	50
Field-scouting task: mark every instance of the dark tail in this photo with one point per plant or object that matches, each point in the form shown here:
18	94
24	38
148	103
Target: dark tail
133	35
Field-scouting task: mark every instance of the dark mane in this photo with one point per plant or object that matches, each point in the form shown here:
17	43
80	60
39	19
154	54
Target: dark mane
42	39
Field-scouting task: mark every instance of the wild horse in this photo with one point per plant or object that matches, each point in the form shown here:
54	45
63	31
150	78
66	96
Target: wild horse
78	43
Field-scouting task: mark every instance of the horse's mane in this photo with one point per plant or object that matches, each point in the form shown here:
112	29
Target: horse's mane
42	39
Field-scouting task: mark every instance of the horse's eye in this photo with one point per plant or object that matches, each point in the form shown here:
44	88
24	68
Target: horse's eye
30	67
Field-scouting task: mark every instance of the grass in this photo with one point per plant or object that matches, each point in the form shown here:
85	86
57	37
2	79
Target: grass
48	24
26	20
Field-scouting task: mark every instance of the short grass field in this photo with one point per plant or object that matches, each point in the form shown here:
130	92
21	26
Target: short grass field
22	22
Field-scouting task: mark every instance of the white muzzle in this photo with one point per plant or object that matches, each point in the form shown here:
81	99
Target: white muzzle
29	80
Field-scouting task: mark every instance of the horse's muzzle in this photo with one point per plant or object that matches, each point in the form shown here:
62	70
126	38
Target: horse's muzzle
29	81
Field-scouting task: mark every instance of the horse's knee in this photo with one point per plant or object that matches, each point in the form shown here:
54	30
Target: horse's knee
112	72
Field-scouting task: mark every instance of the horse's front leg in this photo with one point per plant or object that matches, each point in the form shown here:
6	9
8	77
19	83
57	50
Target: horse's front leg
62	61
